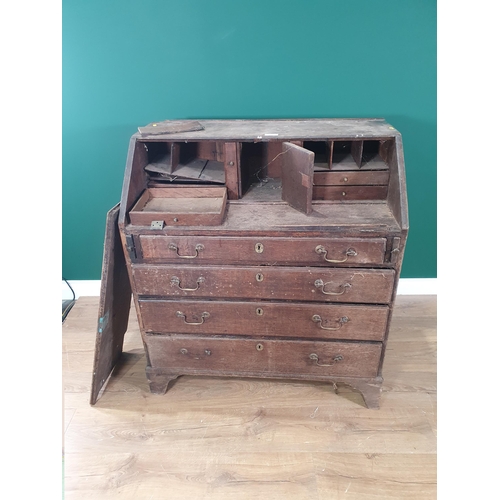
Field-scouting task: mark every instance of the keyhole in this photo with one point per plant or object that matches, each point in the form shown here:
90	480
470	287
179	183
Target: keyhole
259	247
259	311
259	277
259	347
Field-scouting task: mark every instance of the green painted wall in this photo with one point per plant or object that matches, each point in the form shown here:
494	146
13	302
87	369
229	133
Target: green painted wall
129	62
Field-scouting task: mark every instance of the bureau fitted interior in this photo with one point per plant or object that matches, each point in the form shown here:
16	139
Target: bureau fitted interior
266	249
362	166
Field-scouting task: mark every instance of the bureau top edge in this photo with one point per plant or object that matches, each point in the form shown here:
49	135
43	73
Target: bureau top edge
281	129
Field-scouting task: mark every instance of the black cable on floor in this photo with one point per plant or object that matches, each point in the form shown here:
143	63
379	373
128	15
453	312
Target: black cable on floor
67	304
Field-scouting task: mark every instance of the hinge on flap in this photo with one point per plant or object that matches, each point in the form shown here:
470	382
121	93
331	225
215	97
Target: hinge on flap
131	247
157	224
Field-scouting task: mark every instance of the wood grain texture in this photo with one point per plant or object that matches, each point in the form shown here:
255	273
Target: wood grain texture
181	354
226	438
180	206
114	306
274	283
297	177
347	178
288	130
272	319
372	218
349	193
265	251
232	170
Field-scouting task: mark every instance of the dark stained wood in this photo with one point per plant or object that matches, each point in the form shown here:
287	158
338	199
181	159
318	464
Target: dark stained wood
331	145
297	177
269	251
232	170
114	306
286	130
212	150
182	355
180	206
158	380
135	180
396	249
279	219
397	197
281	273
272	319
277	283
357	151
370	178
370	389
274	153
170	127
347	193
384	149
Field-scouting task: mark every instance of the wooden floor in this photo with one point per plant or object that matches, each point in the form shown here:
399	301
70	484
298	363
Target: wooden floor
224	438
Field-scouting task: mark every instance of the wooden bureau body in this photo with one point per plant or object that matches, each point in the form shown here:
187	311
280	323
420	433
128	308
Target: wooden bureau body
256	248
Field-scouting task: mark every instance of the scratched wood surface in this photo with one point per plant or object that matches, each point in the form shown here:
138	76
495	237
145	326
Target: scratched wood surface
218	438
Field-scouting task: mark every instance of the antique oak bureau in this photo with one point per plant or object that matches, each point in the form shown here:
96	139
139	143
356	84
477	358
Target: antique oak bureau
256	248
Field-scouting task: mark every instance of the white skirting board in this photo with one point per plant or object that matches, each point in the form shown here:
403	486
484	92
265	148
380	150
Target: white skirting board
407	286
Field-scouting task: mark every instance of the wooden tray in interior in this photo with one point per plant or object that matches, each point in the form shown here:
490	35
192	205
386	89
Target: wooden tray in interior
180	206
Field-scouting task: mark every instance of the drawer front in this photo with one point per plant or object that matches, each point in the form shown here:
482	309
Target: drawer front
315	321
352	178
279	283
263	251
187	354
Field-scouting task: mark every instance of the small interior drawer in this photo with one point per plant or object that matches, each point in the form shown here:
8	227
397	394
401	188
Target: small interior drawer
180	206
349	178
229	355
349	193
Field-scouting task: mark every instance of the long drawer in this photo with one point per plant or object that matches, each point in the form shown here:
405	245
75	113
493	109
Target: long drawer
191	355
263	251
310	320
279	283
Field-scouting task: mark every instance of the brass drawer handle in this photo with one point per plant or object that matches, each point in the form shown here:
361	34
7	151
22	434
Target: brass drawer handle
175	281
184	352
204	316
320	249
198	248
336	359
341	321
320	284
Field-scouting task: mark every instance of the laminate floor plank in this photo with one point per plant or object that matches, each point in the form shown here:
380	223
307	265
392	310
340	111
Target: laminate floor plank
227	438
